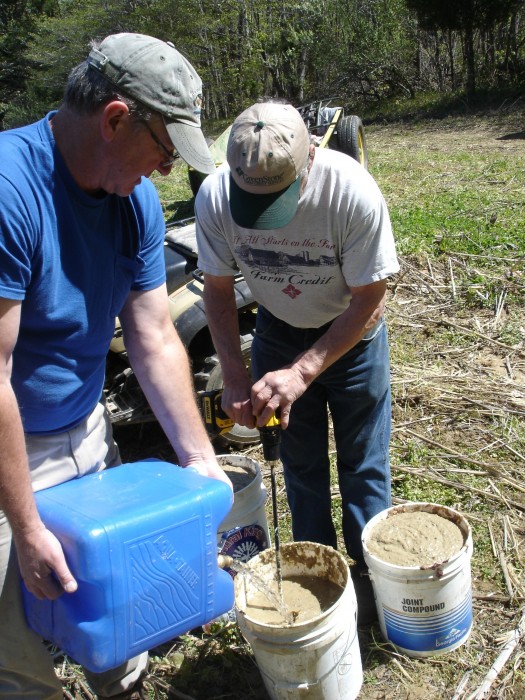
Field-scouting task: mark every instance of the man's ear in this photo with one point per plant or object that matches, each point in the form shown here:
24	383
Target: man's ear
113	117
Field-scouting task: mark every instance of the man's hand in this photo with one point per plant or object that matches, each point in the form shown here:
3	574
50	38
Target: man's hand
275	390
212	469
236	402
284	386
43	566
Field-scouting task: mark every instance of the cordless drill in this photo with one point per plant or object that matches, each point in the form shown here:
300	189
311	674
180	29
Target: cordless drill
216	421
271	441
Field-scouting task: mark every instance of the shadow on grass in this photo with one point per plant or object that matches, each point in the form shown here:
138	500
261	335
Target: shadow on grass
216	667
512	137
438	106
179	210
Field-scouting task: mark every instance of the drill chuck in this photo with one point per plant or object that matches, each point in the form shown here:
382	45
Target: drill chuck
271	439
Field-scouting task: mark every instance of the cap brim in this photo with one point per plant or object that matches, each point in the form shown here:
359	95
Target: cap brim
264	211
191	146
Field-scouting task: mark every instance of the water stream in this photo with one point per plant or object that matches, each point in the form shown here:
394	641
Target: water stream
263	587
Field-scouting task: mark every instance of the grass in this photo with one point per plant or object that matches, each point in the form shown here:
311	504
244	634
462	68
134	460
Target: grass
450	200
456	313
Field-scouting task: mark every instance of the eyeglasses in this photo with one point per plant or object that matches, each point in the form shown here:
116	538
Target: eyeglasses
171	156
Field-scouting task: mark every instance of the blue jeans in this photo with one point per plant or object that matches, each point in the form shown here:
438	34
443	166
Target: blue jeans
356	391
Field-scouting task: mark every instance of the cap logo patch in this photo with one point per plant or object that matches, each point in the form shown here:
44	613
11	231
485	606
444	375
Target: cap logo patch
265	181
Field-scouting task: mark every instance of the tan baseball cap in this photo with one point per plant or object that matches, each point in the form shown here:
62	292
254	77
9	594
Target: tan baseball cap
267	151
155	73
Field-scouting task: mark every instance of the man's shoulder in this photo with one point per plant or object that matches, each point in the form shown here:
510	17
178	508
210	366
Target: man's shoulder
336	160
147	208
145	194
345	173
18	137
213	186
25	153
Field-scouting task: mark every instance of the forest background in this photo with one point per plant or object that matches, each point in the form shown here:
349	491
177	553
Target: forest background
365	52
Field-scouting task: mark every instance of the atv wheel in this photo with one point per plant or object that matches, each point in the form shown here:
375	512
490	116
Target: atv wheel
210	378
195	179
351	139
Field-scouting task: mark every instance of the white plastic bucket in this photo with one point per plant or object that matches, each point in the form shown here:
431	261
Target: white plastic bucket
318	659
244	532
427	610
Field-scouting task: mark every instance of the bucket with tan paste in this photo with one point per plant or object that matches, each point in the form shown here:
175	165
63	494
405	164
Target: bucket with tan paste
418	556
308	649
244	532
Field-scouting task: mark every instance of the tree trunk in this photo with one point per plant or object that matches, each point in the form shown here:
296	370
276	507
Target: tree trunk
451	59
301	74
470	60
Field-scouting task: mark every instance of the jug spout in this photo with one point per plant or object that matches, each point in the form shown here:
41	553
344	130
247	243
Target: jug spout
224	561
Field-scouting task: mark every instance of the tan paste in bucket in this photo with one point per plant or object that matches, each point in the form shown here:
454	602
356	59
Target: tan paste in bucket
415	538
304	598
239	476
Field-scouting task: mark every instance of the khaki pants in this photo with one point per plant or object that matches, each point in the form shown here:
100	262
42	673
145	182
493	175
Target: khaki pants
26	667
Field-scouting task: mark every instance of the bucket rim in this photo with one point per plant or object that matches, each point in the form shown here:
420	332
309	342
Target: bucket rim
429	507
305	624
242	461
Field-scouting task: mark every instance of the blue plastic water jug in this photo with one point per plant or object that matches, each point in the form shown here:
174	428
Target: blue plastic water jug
141	541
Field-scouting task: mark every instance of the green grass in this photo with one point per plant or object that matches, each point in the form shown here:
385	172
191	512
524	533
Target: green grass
174	192
447	199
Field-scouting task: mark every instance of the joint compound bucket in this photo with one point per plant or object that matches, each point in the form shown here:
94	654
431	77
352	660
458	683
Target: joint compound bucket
244	532
314	653
426	609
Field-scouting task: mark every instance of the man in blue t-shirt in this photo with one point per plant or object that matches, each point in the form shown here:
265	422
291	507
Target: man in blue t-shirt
81	241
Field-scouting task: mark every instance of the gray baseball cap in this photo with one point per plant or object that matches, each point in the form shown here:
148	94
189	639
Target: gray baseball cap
155	73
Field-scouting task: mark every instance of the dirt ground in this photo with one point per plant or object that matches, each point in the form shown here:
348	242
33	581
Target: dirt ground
458	385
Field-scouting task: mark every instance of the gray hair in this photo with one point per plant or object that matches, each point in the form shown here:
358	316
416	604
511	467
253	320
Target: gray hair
87	90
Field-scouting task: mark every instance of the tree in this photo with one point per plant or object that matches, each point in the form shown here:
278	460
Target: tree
18	23
464	16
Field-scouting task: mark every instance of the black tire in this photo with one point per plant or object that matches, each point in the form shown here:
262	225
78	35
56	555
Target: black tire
196	178
351	139
239	435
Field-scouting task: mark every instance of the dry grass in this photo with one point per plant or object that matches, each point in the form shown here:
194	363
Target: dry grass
459	439
457	328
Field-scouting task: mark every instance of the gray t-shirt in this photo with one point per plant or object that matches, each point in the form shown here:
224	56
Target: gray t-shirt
340	237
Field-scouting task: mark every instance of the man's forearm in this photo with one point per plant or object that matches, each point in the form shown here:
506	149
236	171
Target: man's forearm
16	493
164	375
365	310
223	322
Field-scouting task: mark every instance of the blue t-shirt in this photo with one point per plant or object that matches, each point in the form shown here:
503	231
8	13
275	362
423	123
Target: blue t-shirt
72	260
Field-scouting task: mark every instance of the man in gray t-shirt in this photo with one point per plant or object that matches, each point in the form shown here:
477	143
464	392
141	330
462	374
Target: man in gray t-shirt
310	231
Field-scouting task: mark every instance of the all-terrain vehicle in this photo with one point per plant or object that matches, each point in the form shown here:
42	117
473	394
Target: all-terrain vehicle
126	403
329	127
124	398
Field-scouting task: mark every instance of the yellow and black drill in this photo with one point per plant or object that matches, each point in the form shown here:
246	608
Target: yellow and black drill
217	422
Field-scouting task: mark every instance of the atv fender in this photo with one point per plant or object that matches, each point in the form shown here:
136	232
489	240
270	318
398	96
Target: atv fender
186	306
